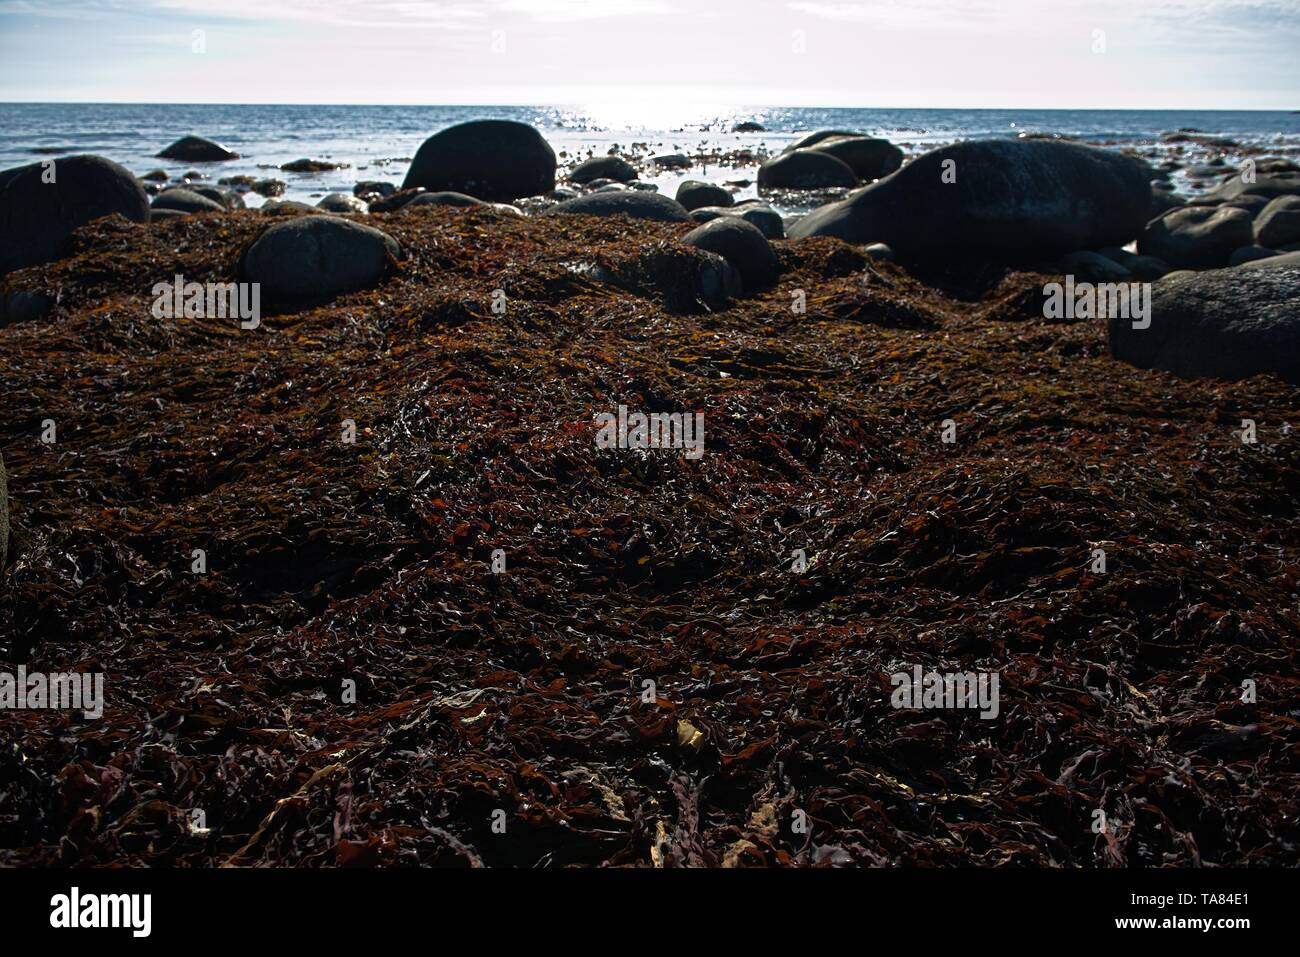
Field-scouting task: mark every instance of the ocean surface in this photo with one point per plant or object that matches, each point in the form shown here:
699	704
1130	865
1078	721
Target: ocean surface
378	141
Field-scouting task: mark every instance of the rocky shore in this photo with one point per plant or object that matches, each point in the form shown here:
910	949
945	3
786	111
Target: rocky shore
398	640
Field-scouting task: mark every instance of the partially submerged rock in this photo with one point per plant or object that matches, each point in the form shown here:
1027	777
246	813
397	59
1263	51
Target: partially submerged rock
603	167
693	194
805	169
197	149
869	157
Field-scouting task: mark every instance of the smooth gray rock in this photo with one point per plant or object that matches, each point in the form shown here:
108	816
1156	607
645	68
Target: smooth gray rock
315	257
495	160
693	194
1278	223
185	200
1010	199
197	149
36	216
869	157
379	186
764	218
342	203
1284	182
740	244
805	169
276	207
1222	323
603	167
1197	237
634	203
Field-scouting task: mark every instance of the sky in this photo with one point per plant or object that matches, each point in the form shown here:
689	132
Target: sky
1105	54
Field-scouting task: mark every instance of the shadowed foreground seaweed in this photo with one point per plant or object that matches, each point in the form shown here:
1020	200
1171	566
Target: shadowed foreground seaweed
524	692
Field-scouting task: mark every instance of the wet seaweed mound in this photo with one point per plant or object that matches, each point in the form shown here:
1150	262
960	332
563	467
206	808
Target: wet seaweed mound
470	636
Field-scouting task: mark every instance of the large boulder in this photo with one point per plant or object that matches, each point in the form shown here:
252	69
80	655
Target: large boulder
869	158
315	257
805	169
997	199
36	216
196	149
498	160
1223	323
1197	237
693	194
186	201
637	204
740	244
1278	223
603	167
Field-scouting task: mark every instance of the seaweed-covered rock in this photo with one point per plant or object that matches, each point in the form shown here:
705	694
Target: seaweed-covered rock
1000	200
740	244
37	215
314	257
497	160
1223	323
197	149
634	203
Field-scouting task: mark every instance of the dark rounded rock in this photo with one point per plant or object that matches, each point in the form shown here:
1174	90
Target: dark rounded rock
269	187
1284	182
497	160
1197	237
1222	323
748	126
315	257
671	161
444	198
341	203
693	194
1278	223
995	199
740	244
610	188
228	198
812	139
603	167
306	165
186	201
634	203
379	186
159	215
766	219
196	149
805	169
37	216
869	158
157	175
